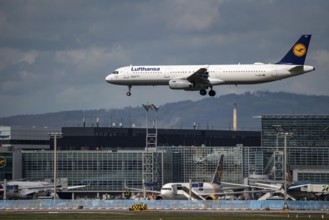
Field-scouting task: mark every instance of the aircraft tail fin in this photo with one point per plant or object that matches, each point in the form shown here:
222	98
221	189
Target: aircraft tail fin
297	53
219	170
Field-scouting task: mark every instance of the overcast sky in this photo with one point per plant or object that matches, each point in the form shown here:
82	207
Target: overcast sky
54	55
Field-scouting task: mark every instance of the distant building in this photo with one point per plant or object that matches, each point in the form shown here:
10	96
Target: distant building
308	130
24	138
15	139
308	147
93	138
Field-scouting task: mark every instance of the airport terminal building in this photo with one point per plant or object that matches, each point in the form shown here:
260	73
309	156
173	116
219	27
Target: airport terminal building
307	144
91	157
112	138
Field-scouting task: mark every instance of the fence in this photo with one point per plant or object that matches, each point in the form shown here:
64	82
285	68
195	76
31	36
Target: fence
164	204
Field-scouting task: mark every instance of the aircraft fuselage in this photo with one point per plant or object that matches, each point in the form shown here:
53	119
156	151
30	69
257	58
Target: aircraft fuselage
218	74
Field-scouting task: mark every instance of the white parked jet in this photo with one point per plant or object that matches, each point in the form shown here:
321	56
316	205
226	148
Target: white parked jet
32	189
201	191
207	190
203	77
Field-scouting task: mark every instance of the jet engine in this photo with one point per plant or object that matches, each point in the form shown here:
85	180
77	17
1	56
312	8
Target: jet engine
211	197
180	84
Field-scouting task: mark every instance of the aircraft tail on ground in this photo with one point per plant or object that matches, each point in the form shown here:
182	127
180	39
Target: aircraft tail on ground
219	170
297	54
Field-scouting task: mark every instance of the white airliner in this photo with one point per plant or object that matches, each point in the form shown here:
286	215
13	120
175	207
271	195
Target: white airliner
31	189
208	190
201	191
203	77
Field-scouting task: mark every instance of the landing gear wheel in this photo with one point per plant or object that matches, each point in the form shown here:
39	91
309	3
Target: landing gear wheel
212	93
129	91
203	92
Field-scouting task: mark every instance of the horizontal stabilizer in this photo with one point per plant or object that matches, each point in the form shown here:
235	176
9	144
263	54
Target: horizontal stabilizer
296	69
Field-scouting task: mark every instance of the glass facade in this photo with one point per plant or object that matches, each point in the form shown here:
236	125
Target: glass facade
316	158
198	163
107	170
309	158
308	147
99	170
253	161
308	130
312	176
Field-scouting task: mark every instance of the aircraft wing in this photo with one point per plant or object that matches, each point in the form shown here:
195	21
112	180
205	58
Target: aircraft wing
37	188
236	192
200	77
76	187
44	188
268	186
256	185
298	186
140	190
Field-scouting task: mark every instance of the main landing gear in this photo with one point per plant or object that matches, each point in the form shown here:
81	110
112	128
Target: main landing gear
129	91
204	92
212	93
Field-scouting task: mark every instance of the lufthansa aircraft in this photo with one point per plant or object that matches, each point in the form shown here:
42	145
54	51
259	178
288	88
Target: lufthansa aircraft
201	191
203	77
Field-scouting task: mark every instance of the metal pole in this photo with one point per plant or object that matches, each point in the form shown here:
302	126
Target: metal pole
190	189
277	141
144	189
156	131
4	189
146	137
162	176
55	135
285	166
55	166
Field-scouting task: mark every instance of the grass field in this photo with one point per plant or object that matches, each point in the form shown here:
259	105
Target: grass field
235	215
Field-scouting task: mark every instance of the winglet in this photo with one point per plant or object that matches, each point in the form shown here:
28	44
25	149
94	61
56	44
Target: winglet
297	54
219	170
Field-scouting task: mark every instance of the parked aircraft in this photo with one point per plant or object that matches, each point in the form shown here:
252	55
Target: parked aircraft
203	77
32	189
309	191
296	190
202	190
178	191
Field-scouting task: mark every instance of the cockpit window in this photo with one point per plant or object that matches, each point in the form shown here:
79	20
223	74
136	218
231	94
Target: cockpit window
115	72
166	188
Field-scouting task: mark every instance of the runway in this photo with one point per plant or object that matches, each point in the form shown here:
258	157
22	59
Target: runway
160	214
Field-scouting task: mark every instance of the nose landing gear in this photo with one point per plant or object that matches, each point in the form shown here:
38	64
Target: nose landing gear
129	91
